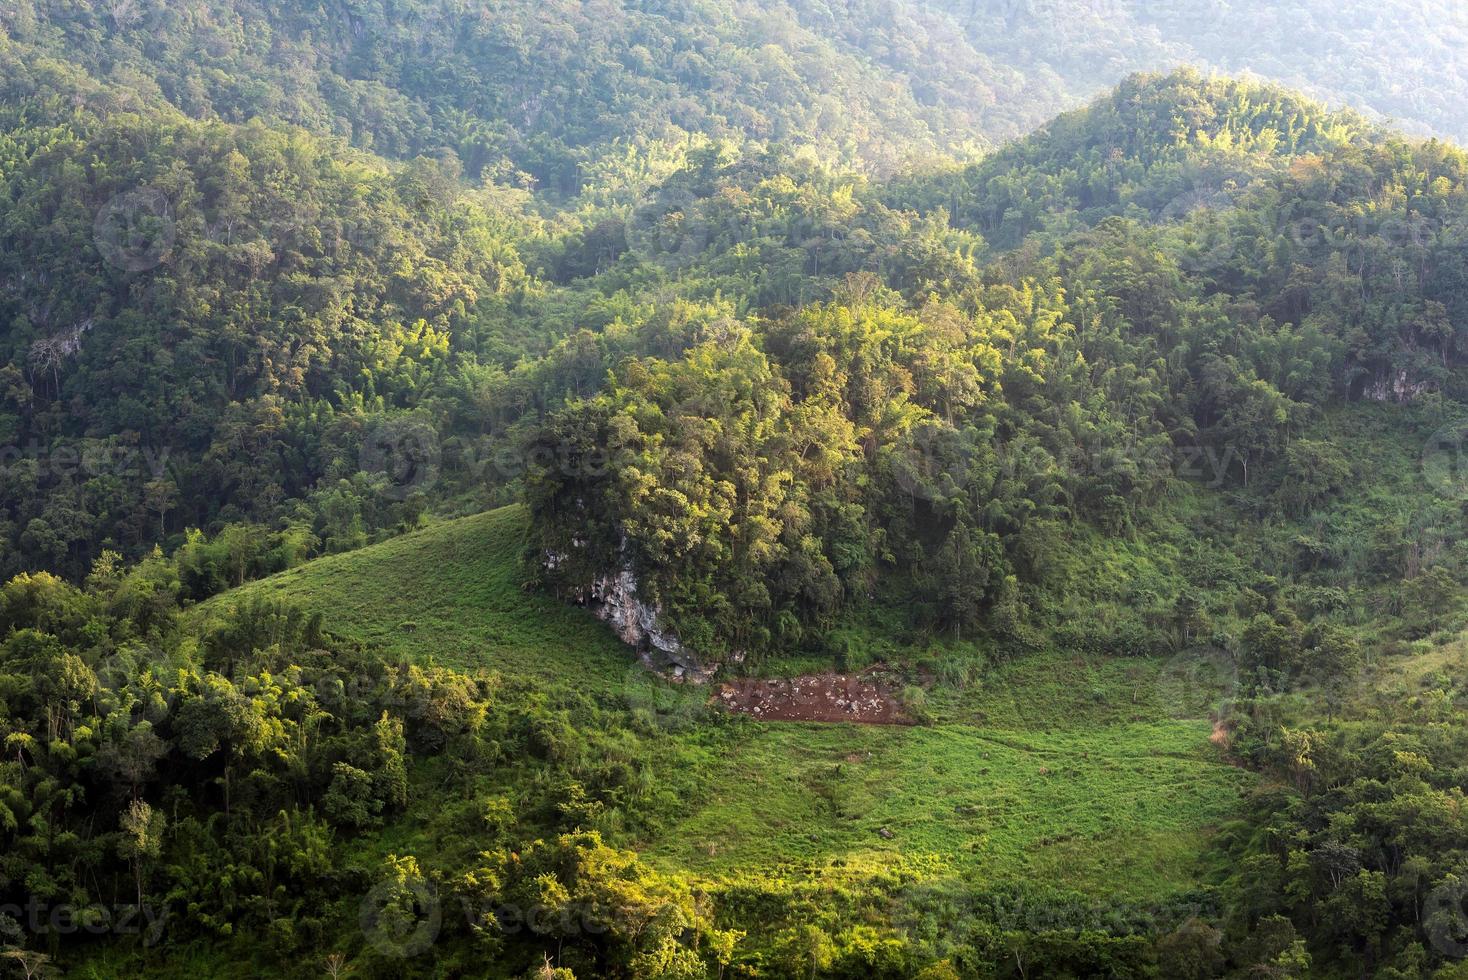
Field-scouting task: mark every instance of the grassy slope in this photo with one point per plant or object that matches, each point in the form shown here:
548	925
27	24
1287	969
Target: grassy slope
1073	780
451	593
1120	810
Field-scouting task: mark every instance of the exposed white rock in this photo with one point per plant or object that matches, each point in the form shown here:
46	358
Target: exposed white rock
614	600
1398	388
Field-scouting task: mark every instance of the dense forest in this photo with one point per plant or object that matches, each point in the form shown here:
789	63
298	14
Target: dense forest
597	97
183	790
782	347
941	417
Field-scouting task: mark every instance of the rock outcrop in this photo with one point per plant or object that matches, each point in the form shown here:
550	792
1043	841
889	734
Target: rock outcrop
1398	388
613	598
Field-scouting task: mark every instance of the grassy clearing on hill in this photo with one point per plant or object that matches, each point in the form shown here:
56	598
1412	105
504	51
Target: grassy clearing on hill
1119	810
452	594
1083	773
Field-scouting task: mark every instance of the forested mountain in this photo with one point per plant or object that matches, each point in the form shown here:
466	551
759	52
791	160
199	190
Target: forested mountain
205	319
557	94
304	300
1393	60
567	94
787	378
318	313
1219	265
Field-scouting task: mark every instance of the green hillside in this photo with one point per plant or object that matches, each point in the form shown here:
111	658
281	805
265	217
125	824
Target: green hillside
995	804
1093	512
559	93
450	594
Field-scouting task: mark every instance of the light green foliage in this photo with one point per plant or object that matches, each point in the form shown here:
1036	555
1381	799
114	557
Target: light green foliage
1129	454
451	594
1008	803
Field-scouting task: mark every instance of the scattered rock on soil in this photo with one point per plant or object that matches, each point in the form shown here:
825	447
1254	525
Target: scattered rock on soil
868	698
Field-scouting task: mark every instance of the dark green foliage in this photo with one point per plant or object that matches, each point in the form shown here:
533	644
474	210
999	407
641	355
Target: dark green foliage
913	434
220	796
1367	846
1165	379
299	307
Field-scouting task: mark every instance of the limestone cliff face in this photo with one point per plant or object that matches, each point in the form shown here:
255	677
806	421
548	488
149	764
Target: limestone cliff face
613	598
1398	388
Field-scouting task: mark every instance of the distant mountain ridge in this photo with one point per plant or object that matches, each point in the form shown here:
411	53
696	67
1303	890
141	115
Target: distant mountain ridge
555	92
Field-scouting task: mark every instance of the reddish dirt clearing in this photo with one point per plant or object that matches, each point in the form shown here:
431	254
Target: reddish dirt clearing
863	698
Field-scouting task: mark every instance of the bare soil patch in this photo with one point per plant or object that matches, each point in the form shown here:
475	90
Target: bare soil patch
867	698
1223	731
